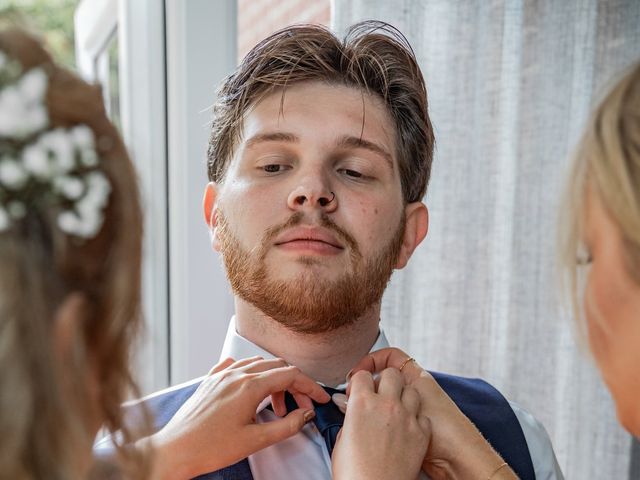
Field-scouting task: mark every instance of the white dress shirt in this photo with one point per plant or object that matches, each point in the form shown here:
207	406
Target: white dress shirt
305	454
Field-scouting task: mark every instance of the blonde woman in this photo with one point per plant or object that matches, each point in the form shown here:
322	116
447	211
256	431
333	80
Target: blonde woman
600	243
70	246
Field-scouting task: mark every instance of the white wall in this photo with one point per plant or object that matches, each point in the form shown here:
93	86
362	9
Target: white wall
201	50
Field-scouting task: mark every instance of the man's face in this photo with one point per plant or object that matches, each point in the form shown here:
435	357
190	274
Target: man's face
310	217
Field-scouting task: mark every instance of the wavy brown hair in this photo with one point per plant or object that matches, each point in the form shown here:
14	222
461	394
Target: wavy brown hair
40	417
373	57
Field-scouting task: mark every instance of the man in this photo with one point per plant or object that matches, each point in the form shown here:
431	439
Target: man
319	157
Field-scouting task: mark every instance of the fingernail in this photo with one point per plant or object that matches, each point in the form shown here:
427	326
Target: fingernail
340	400
308	416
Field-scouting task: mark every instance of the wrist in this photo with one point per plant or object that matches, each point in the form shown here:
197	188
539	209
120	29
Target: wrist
166	463
502	472
479	461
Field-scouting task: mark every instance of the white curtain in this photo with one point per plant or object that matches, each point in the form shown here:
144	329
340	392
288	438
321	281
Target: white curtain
510	85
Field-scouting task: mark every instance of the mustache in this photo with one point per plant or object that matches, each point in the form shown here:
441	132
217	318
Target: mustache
325	222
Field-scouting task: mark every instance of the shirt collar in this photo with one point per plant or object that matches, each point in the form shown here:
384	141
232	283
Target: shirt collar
237	347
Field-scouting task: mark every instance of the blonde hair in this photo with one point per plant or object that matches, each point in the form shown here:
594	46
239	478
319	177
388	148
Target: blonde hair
39	268
606	163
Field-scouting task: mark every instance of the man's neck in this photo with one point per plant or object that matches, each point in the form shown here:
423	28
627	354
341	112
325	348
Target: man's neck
326	357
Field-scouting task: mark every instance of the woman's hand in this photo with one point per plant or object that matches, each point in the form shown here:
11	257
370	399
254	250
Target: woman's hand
217	426
457	449
383	436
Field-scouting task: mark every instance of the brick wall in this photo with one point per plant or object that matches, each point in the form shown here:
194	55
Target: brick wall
258	18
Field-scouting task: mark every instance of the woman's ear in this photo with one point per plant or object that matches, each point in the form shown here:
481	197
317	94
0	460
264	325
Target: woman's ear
69	324
209	204
415	229
69	340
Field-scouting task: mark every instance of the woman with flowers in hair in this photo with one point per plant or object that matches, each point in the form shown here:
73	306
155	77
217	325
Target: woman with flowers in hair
70	247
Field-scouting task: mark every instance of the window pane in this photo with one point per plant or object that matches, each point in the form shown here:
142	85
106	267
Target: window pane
114	81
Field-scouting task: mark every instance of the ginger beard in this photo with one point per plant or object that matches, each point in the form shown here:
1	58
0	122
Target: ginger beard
305	304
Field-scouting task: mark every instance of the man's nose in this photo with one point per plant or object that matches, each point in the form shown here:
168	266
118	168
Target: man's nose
307	196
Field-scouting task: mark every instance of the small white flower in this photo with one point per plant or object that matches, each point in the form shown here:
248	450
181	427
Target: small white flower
69	222
98	189
6	122
12	175
88	157
90	223
69	187
99	182
61	145
88	204
37	119
11	100
12	109
36	161
84	225
22	105
4	219
19	118
83	137
16	209
91	206
33	85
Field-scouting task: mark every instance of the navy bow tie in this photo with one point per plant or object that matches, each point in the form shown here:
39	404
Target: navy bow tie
328	419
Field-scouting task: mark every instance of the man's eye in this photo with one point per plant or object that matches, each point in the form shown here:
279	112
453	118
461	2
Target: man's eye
351	173
273	168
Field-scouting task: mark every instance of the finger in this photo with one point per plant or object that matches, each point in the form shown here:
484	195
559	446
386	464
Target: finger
277	401
340	399
245	361
374	376
338	437
431	393
361	384
221	365
302	401
411	400
425	425
378	360
389	357
290	378
265	434
391	383
264	365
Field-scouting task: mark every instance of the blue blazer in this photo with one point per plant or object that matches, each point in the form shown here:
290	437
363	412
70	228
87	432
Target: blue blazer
479	401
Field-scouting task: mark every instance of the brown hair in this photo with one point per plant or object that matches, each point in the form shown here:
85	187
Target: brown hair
373	57
40	266
606	162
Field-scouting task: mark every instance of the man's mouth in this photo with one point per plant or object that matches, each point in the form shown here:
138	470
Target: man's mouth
312	240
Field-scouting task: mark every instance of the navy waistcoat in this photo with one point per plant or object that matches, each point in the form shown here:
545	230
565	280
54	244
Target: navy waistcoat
478	400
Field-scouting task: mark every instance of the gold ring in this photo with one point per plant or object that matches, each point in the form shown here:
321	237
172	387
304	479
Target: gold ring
404	364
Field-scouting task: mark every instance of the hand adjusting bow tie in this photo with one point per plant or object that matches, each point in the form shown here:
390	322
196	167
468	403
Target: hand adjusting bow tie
328	419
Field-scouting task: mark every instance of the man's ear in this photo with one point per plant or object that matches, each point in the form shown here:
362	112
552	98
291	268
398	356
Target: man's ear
415	229
209	203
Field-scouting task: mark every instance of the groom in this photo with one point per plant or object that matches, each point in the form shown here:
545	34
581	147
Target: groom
319	157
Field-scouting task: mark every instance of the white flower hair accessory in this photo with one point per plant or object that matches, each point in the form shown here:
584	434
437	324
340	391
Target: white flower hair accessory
42	167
